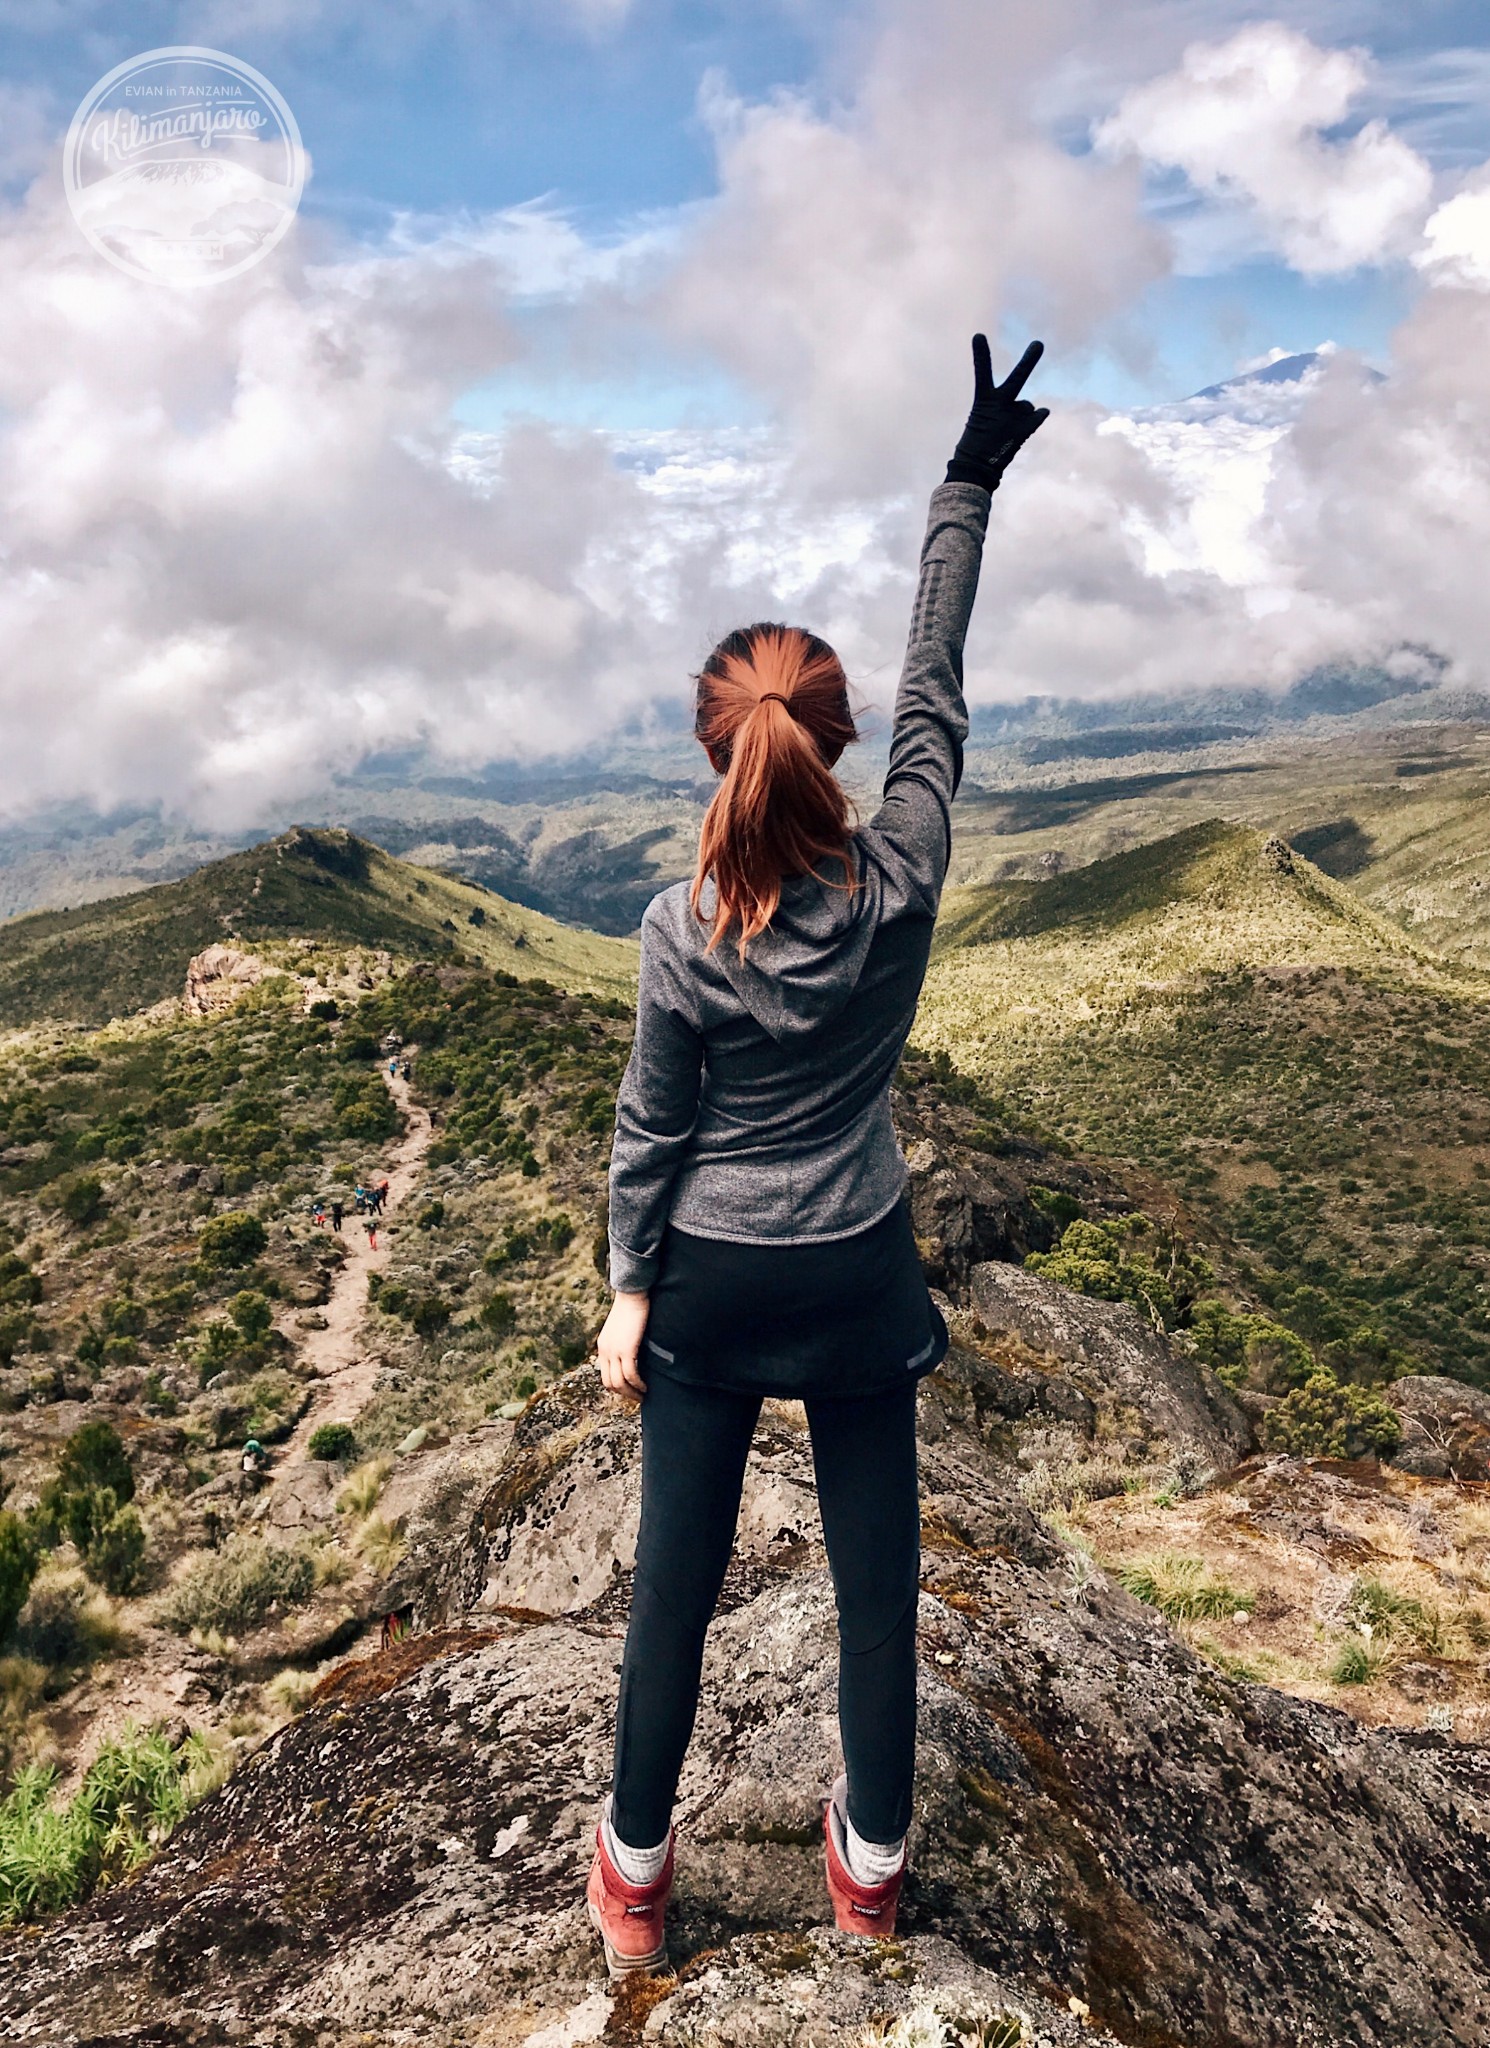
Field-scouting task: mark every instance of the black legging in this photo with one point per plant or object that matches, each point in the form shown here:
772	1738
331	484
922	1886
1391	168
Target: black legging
695	1441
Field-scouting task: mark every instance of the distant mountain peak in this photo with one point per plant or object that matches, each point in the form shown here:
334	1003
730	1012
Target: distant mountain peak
1281	370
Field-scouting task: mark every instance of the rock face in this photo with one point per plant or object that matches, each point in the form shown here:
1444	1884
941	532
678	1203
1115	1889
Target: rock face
1142	1382
217	976
1099	1815
973	1190
1445	1427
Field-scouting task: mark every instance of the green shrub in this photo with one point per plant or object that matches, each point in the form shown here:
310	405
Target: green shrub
94	1455
1326	1419
273	1399
251	1315
1062	1209
233	1239
429	1313
115	1549
326	1009
333	1441
499	1315
19	1556
234	1588
81	1199
134	1793
432	1215
1126	1258
92	1482
1249	1350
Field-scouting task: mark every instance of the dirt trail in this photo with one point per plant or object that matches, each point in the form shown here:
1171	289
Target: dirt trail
347	1372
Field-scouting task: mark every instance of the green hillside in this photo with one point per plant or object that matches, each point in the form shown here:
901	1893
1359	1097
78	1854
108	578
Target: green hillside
1398	815
328	887
1313	1082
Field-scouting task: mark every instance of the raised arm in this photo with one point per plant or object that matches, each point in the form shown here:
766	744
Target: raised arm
930	715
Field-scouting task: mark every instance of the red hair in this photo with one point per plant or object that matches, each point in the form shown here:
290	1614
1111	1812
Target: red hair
773	713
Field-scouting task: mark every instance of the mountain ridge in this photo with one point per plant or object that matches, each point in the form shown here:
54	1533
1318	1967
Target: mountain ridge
310	884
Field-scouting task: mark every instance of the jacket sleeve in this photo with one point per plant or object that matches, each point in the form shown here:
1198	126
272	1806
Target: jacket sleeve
655	1113
914	821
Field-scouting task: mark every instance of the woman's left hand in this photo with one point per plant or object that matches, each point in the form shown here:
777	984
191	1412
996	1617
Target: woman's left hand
619	1344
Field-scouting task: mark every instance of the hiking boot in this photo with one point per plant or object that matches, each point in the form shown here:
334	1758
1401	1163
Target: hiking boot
857	1908
628	1917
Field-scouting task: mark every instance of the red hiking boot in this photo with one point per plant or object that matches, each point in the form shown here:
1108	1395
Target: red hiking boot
628	1917
857	1908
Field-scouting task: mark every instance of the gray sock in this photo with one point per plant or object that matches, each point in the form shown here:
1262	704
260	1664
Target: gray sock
869	1863
637	1866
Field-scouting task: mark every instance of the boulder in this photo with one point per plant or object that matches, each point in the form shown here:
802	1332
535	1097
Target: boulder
1109	1833
1138	1378
973	1187
217	976
1445	1427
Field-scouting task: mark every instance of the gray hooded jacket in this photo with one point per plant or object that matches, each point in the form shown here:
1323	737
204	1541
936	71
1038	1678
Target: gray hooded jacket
756	1102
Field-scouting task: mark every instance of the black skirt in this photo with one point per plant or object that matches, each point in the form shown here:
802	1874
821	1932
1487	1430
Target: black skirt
831	1317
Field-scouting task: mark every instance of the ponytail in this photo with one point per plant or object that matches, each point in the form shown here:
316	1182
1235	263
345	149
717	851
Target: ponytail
773	713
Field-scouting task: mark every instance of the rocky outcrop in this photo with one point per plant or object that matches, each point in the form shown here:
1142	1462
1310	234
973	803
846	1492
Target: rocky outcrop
981	1191
217	976
1100	1816
1445	1427
1142	1387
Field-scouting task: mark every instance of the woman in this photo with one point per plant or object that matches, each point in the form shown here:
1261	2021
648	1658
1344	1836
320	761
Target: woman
760	1240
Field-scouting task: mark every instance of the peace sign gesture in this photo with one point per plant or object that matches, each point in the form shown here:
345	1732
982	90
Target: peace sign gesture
1000	422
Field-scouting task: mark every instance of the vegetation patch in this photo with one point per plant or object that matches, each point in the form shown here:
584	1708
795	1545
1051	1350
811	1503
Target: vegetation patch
54	1852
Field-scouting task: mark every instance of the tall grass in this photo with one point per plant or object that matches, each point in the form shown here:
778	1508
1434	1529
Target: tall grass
1184	1588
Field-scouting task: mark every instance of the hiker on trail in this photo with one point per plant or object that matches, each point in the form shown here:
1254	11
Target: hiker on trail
382	1196
760	1236
337	1212
318	1214
252	1466
359	1196
371	1227
392	1069
407	1070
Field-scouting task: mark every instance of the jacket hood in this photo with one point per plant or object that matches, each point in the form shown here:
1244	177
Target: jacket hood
800	971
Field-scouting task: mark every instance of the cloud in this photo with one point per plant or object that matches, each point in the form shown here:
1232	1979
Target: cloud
244	544
850	253
1248	120
1456	239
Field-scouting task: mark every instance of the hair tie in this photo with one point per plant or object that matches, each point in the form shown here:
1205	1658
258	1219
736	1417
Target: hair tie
774	697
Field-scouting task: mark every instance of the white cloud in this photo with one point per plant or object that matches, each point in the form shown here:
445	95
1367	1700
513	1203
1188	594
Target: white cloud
1248	121
1456	239
851	252
242	544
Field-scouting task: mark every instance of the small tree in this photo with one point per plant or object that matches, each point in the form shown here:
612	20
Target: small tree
1249	1350
115	1549
94	1455
251	1315
1127	1258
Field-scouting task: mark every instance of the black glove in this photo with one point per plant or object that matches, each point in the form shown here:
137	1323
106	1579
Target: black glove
1000	422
